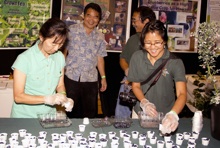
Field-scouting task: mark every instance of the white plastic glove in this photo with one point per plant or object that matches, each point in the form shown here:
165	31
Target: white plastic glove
148	108
170	122
55	99
68	105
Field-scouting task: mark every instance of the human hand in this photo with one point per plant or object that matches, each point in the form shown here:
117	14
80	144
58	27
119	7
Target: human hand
126	72
125	82
148	108
68	105
170	122
103	85
55	99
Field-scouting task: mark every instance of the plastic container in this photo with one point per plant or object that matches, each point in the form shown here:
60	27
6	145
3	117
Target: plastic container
122	122
51	120
150	122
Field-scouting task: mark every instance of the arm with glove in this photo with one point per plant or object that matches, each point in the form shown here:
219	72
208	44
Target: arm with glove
68	103
147	107
171	119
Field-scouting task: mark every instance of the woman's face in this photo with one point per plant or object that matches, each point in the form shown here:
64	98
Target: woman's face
154	44
51	45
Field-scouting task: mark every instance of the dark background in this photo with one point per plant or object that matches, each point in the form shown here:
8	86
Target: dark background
114	73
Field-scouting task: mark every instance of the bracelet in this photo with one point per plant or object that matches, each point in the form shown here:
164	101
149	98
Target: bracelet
62	92
103	77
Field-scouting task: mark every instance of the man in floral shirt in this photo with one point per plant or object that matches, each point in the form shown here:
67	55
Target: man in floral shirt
85	51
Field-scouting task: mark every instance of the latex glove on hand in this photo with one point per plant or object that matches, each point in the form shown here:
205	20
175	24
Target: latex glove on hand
148	108
169	122
68	105
55	99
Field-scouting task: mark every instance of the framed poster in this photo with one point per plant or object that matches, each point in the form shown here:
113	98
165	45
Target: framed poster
181	18
213	10
21	20
115	23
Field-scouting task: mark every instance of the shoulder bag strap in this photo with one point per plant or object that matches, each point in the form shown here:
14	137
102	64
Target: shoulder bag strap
155	72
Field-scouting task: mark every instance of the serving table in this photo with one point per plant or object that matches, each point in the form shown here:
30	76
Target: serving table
11	125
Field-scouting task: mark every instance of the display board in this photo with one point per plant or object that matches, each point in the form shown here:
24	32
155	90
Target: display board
115	23
181	18
213	10
21	20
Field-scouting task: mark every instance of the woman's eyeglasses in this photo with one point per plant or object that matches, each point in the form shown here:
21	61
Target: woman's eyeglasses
157	44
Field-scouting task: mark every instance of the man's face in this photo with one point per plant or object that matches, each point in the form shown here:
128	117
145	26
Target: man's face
91	19
137	23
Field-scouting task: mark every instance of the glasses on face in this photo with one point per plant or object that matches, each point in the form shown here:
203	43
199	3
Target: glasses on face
133	20
157	44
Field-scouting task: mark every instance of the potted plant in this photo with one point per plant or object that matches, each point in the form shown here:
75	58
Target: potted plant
207	38
202	95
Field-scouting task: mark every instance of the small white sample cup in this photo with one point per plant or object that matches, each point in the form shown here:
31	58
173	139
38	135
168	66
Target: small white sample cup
98	145
78	136
25	142
11	140
43	144
169	144
142	141
127	137
114	145
205	141
102	136
27	136
179	135
43	134
93	134
115	139
82	127
127	144
122	132
160	143
179	141
32	139
86	120
92	142
150	134
186	135
103	142
55	136
50	145
195	135
153	140
167	138
22	132
134	134
69	133
63	137
191	144
134	145
55	142
192	139
111	134
14	135
2	144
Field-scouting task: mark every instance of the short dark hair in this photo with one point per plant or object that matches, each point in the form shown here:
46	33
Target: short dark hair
146	13
95	7
53	27
154	26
